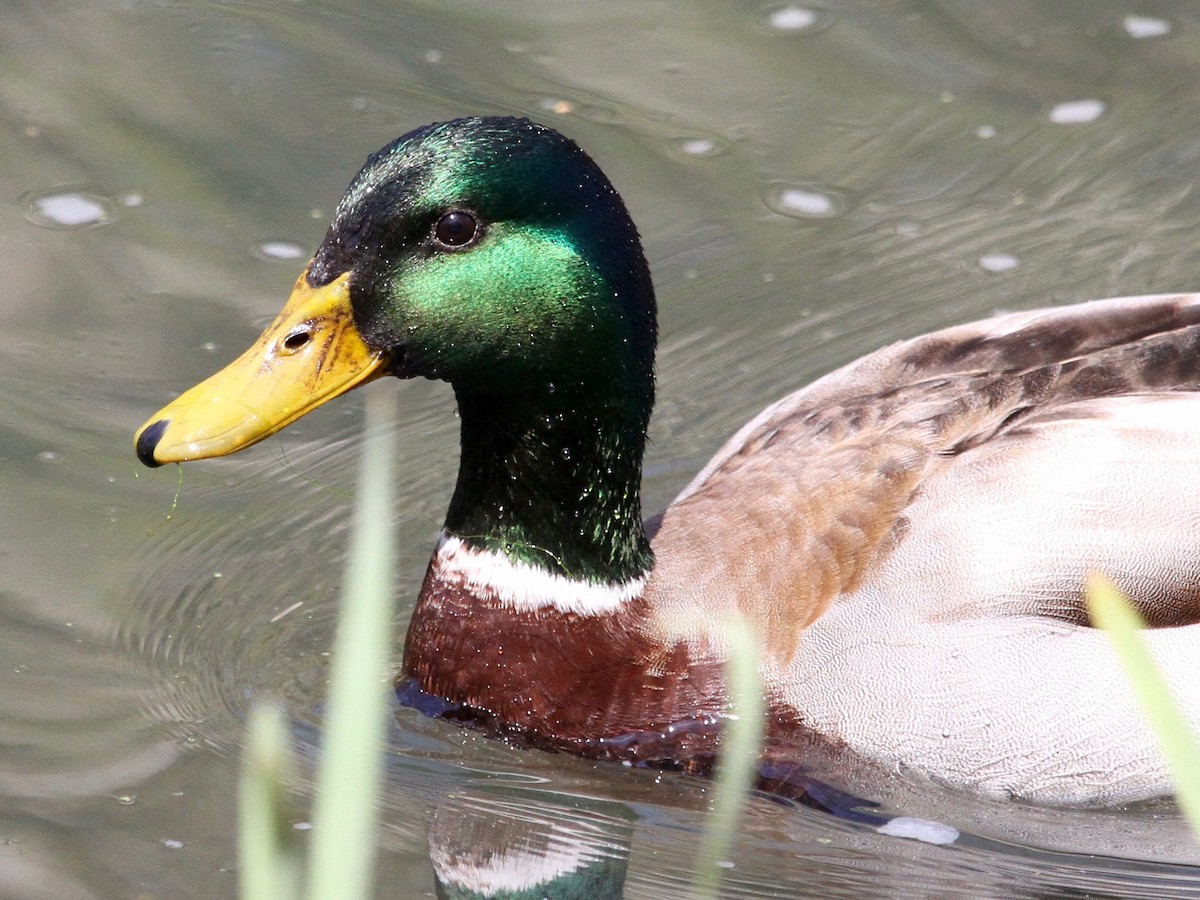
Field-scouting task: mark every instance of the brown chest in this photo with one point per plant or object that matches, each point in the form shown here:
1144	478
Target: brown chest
596	685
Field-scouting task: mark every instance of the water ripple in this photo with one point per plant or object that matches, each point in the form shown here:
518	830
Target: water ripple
229	610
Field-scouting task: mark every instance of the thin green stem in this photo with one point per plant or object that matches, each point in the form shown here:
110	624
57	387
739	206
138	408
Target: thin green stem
1113	613
741	742
345	812
268	848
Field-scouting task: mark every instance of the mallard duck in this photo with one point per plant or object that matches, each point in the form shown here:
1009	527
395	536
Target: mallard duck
909	536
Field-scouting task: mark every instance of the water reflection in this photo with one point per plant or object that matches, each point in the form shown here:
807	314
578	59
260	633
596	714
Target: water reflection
511	845
501	840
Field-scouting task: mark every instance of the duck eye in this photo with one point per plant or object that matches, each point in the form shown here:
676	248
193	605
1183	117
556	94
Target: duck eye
456	229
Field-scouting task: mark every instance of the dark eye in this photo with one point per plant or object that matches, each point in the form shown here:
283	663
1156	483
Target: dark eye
456	229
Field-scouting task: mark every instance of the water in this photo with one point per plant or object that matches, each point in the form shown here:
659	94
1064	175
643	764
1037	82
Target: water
811	181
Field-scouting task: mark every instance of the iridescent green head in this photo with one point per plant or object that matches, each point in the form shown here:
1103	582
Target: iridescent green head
494	249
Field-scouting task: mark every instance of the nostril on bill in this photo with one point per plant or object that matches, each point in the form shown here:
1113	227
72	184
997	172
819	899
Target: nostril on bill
148	440
296	340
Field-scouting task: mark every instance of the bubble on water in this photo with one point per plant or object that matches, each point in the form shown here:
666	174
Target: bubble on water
279	250
1076	112
701	146
697	146
923	830
792	18
804	202
68	210
1145	26
557	105
998	262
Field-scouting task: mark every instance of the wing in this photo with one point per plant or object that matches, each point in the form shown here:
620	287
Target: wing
1037	419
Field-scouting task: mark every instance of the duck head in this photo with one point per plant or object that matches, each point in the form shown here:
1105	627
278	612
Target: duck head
491	253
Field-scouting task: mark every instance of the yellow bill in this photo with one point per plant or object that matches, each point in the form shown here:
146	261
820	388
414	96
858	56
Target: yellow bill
311	353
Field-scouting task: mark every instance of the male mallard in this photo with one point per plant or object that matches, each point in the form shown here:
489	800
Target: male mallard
909	535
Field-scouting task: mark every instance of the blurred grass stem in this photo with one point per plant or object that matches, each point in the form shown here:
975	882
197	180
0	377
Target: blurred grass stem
737	769
1111	611
345	811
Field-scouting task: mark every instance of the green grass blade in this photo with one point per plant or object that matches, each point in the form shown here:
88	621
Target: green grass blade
345	812
1120	621
268	848
737	771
